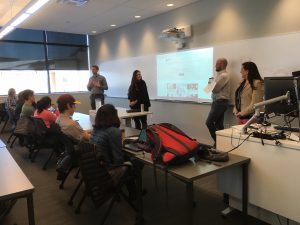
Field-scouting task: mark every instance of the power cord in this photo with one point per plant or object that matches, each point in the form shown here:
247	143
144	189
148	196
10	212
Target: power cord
240	143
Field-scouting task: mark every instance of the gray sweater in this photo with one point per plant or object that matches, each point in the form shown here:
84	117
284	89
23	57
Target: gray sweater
101	81
222	87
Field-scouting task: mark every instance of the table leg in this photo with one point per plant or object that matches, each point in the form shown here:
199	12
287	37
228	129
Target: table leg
245	191
190	202
30	209
139	217
128	122
166	187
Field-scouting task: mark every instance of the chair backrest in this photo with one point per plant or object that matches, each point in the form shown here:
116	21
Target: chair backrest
25	126
18	109
99	183
3	112
40	128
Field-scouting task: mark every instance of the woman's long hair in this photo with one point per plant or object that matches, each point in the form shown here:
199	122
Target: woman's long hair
134	82
43	103
107	116
253	73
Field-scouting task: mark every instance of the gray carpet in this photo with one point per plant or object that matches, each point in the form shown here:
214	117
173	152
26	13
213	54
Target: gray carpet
51	206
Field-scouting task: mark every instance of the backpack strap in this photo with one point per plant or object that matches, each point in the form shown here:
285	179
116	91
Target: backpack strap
176	139
157	147
175	129
155	153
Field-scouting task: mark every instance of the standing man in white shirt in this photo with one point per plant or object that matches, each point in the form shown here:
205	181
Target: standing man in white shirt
97	84
220	97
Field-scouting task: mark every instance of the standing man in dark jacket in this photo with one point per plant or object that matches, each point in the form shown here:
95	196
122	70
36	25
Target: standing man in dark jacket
137	96
97	84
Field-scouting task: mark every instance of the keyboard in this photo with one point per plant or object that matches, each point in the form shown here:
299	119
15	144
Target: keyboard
292	129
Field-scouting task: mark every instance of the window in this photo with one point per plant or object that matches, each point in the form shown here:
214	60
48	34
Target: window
66	38
23	79
22	56
25	35
67	57
68	80
25	56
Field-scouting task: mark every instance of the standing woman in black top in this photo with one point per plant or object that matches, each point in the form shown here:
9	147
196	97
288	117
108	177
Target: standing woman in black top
137	95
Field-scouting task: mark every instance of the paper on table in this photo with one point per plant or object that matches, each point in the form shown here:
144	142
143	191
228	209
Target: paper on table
209	87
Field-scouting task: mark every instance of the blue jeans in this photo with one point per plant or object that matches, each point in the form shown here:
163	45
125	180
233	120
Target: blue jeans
215	119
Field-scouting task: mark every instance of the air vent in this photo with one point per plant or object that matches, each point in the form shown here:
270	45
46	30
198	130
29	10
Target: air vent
73	2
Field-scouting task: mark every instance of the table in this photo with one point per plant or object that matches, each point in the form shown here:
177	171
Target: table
14	183
189	172
125	115
274	182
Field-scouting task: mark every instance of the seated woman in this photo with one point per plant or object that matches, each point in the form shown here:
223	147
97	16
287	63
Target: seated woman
107	135
44	113
10	106
248	93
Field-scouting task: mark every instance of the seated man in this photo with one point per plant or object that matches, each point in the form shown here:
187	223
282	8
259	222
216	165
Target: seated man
66	106
10	106
28	107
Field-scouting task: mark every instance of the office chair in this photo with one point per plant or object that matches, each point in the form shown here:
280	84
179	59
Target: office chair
3	116
41	138
67	160
100	185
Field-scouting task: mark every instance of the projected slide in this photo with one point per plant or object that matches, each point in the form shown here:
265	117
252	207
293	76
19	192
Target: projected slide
183	75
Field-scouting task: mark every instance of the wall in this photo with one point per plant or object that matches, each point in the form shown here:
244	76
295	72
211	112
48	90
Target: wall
213	22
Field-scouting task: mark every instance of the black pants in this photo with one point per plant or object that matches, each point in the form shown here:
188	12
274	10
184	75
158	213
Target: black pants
215	119
93	98
140	122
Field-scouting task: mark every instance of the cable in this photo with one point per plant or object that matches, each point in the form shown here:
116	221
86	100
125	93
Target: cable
240	143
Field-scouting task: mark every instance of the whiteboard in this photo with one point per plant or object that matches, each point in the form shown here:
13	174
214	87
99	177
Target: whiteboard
118	74
274	56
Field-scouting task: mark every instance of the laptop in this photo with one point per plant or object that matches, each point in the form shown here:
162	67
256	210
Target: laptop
139	144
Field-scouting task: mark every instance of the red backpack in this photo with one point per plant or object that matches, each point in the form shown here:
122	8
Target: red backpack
170	145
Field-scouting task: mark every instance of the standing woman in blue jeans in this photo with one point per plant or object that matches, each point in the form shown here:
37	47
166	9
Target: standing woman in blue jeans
138	95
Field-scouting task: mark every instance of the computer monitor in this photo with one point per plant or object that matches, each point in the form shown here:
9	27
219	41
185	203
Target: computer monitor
277	86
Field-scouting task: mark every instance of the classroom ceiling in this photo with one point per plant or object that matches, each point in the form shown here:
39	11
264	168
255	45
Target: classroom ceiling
96	15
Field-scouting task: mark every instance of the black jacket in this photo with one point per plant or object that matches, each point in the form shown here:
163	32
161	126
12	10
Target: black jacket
139	93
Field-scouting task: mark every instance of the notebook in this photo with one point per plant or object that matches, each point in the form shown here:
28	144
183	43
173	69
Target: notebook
139	144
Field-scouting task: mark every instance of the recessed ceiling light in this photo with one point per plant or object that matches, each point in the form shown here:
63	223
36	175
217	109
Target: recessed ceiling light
94	32
170	4
137	16
113	25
